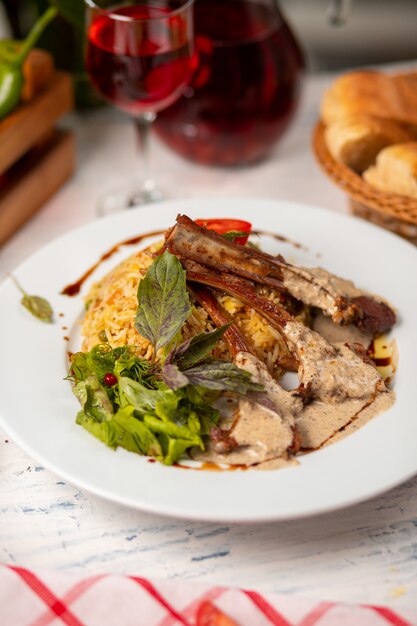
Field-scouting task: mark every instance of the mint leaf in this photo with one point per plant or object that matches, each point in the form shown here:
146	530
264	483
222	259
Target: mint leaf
197	348
221	376
173	377
164	304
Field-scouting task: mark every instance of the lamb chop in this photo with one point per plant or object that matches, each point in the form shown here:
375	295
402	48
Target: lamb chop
260	432
338	381
338	298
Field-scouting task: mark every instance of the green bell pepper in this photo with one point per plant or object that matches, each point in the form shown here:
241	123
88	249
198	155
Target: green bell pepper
12	56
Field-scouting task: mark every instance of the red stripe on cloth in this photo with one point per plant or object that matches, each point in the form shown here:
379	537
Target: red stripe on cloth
312	618
160	599
45	594
390	616
267	609
68	598
189	611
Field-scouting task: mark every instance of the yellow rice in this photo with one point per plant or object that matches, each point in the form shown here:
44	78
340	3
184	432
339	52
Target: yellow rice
111	309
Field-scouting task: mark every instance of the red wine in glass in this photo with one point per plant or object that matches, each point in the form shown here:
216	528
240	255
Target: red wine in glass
140	57
245	90
139	65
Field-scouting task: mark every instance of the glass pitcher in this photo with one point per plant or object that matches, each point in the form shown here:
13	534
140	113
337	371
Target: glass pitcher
245	89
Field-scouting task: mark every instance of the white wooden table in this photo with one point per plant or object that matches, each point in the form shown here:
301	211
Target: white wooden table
367	553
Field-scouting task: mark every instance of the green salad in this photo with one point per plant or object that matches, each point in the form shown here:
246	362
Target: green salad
162	407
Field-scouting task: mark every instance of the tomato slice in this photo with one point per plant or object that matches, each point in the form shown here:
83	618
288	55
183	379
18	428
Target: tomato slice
209	615
226	226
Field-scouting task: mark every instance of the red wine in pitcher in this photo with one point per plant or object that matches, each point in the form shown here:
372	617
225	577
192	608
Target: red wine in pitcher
245	91
139	64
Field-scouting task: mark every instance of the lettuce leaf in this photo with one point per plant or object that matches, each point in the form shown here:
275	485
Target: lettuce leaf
94	399
107	432
136	437
140	397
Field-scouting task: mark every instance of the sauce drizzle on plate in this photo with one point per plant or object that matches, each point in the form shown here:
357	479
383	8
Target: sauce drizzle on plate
74	288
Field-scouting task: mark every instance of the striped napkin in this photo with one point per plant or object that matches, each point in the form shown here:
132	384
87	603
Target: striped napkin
53	599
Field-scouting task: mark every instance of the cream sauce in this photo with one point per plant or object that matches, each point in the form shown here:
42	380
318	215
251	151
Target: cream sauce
381	403
333	372
275	464
317	287
262	433
341	384
320	423
346	392
334	333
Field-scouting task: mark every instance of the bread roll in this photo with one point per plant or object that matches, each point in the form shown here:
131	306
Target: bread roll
407	87
367	93
395	170
356	141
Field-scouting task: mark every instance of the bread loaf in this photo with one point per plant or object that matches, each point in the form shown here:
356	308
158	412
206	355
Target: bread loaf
356	141
395	170
369	93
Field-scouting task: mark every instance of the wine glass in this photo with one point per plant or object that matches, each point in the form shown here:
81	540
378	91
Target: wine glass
140	58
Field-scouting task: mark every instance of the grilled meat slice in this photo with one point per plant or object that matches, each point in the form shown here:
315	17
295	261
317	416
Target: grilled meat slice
338	298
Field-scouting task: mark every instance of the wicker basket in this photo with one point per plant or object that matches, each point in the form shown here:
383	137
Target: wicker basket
389	210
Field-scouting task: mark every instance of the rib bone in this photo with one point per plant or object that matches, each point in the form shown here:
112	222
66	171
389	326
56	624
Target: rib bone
338	298
261	433
339	382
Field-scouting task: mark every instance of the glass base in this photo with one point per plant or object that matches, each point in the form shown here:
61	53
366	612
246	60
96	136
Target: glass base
125	197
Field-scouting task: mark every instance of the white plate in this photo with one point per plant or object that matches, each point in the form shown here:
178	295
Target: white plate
37	407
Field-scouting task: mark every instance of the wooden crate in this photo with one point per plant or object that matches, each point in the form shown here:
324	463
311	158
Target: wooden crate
35	159
21	130
34	179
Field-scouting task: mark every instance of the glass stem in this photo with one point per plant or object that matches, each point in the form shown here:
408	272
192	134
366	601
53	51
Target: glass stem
338	12
143	127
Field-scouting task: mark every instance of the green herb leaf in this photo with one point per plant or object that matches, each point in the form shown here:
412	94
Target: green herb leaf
176	448
136	437
94	399
197	348
164	304
135	394
108	432
39	307
173	377
231	235
221	376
